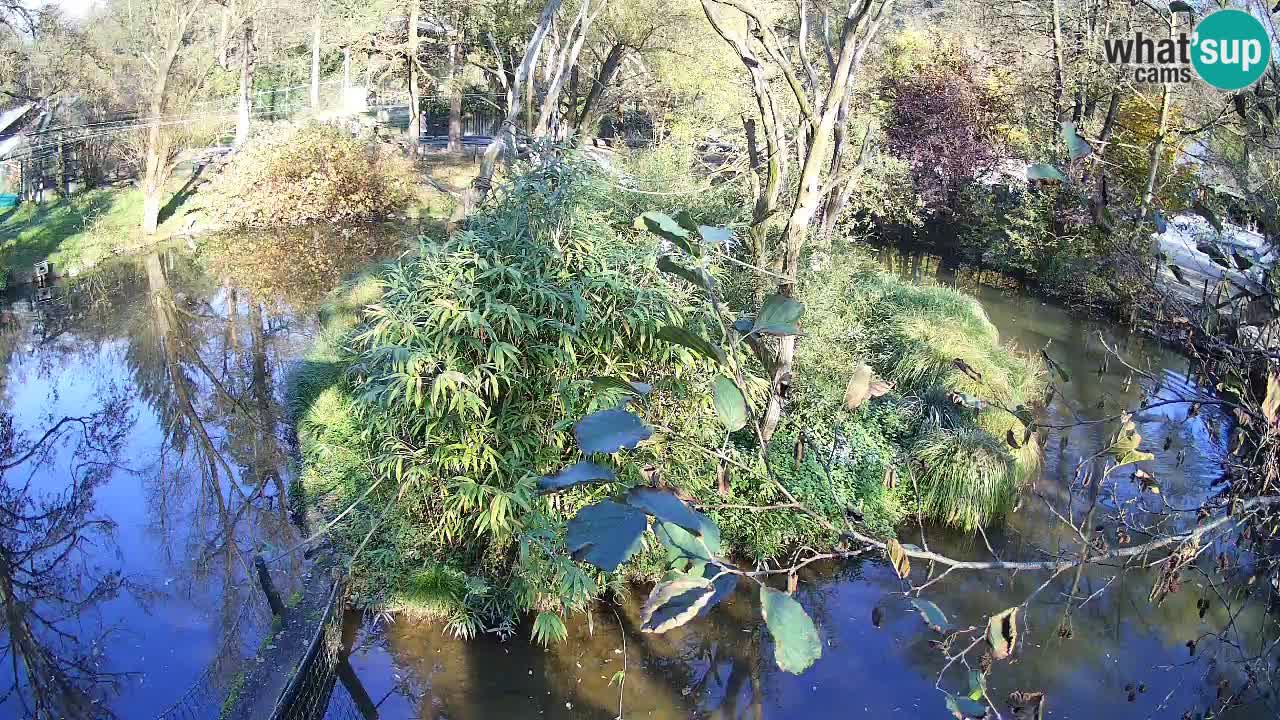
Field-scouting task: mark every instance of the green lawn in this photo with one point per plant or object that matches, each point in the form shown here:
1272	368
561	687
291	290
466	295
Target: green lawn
79	231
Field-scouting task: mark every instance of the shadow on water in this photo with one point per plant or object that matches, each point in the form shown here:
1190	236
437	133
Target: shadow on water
721	665
127	532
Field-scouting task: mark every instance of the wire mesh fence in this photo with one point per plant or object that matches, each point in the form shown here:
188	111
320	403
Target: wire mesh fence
207	695
323	685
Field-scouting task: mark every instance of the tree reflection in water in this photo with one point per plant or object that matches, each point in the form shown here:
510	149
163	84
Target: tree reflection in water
49	575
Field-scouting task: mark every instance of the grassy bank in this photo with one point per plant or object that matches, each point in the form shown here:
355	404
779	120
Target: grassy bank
444	385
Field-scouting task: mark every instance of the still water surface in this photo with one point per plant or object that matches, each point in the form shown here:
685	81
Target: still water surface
186	477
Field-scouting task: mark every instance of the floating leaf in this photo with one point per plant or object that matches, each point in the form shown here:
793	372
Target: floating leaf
795	640
730	403
898	558
715	235
931	614
605	534
674	602
778	316
1043	172
696	343
664	505
1271	403
1002	633
696	276
609	431
663	226
964	709
580	473
1077	146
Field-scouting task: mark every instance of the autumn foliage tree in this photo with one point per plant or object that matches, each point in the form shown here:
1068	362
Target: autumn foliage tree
941	121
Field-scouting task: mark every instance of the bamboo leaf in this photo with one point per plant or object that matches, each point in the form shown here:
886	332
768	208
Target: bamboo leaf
602	383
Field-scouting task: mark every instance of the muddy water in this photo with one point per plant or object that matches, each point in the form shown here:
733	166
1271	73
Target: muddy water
127	538
1121	657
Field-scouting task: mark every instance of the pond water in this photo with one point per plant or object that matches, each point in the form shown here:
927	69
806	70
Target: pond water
127	535
126	540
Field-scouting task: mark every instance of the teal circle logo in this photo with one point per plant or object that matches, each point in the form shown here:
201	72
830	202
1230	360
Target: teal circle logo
1230	49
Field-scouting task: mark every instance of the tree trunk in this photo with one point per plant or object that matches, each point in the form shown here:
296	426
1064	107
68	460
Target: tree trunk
1059	72
246	84
315	64
568	59
479	189
415	102
455	101
587	120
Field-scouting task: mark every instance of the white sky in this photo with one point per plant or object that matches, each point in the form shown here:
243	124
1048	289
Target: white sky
73	8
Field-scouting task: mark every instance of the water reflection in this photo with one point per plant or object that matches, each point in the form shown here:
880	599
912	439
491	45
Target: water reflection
298	266
164	518
1117	654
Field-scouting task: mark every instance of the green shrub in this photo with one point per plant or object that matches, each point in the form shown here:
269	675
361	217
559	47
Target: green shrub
296	174
912	336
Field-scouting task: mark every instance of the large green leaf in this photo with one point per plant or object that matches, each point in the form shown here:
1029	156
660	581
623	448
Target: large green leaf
1077	146
696	343
796	645
605	534
682	544
963	708
609	431
602	383
730	403
931	614
1041	171
715	235
580	473
696	276
778	316
1002	633
663	226
1124	444
664	505
675	601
